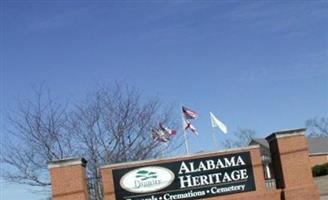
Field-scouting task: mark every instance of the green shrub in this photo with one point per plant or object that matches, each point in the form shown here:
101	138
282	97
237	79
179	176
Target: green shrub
320	170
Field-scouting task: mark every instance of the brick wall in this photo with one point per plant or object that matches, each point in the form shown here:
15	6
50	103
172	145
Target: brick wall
292	167
68	179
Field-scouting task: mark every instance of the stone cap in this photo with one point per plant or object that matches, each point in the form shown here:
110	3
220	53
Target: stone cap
286	133
67	162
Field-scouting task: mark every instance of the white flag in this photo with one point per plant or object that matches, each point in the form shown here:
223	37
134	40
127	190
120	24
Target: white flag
217	123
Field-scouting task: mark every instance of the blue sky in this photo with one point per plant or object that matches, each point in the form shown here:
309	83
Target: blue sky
256	64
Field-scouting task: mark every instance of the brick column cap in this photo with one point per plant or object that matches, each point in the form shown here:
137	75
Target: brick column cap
286	133
67	162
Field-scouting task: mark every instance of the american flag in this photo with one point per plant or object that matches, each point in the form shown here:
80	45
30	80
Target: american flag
188	113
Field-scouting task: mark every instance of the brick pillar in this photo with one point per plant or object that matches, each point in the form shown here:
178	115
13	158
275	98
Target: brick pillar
68	179
291	165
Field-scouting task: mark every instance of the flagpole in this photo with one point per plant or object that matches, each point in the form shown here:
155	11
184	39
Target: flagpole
163	148
185	135
215	140
184	131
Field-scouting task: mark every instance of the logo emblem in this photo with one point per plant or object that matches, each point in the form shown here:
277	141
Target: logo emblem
145	175
147	179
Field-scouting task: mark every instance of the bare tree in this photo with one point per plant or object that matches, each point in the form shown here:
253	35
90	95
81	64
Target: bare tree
37	135
317	127
242	138
112	125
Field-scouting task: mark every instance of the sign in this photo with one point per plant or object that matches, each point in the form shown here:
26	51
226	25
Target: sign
186	179
147	179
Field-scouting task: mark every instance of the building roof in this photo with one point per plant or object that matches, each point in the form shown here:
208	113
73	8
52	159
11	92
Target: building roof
316	145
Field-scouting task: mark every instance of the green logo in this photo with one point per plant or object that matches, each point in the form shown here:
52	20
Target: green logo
145	175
